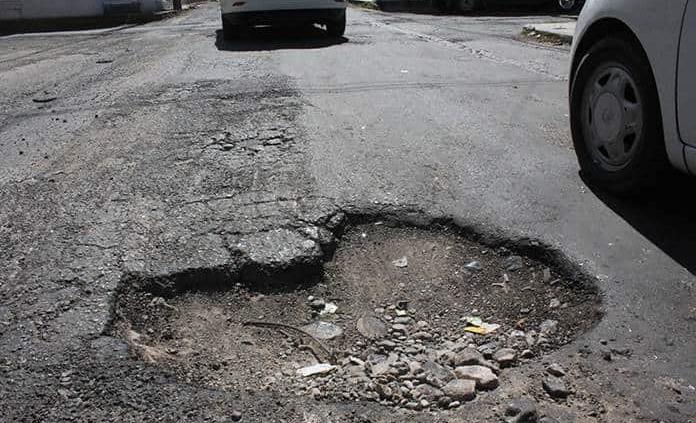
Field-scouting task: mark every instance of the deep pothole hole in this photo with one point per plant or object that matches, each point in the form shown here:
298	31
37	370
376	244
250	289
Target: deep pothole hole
416	318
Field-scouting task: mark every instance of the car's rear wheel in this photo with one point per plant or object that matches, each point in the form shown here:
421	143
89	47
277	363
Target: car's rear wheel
616	119
468	5
569	6
337	27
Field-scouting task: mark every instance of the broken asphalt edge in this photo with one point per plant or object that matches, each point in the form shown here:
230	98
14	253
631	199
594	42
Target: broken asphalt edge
307	268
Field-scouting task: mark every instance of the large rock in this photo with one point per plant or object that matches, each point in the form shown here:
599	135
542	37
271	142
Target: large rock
371	327
521	410
317	369
555	387
384	366
323	330
483	376
468	357
460	390
436	374
427	392
505	357
555	369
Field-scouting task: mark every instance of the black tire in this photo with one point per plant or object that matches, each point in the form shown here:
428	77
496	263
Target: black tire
577	5
649	160
473	6
337	28
230	31
441	5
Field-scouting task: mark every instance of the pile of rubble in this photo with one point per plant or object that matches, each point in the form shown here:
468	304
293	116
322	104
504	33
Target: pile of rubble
407	363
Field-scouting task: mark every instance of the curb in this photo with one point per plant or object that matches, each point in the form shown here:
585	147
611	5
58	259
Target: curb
365	4
533	30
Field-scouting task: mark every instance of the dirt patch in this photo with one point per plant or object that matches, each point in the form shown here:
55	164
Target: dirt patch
406	314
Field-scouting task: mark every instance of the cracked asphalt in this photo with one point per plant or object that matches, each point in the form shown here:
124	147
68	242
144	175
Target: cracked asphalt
167	150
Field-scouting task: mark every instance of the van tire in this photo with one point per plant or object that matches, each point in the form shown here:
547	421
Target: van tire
337	28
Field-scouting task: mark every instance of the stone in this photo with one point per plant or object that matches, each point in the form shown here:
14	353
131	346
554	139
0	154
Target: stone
387	345
554	303
329	308
422	324
384	391
402	320
483	376
236	416
468	357
548	327
505	357
383	366
415	367
460	390
398	327
446	357
548	419
317	304
555	369
454	404
444	402
401	262
555	387
473	266
488	349
371	327
401	313
513	263
323	330
425	336
521	410
527	354
317	369
426	392
436	374
546	275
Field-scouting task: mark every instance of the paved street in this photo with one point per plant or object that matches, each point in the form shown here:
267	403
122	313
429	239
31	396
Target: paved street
161	155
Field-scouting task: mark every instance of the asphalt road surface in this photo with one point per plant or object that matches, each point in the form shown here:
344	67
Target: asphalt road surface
140	152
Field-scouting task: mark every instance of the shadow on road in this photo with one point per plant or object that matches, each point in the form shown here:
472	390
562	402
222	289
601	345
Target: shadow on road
278	38
667	217
500	9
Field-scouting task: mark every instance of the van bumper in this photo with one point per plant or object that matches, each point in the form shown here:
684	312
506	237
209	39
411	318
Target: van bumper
275	17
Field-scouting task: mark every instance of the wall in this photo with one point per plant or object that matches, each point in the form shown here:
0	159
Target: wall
49	9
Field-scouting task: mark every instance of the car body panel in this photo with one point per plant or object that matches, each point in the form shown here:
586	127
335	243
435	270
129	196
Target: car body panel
686	82
657	26
237	6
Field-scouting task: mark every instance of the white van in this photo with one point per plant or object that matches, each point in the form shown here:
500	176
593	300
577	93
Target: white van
238	14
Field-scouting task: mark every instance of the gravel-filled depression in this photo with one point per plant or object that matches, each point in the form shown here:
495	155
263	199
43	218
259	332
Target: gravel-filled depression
420	319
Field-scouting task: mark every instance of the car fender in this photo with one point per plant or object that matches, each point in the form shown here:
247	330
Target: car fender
656	25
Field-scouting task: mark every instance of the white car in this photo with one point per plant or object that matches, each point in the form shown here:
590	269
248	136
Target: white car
239	14
633	91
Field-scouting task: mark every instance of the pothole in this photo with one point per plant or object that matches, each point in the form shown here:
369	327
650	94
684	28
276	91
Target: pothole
422	319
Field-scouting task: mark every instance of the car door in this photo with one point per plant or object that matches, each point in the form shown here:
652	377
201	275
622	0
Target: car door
686	76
